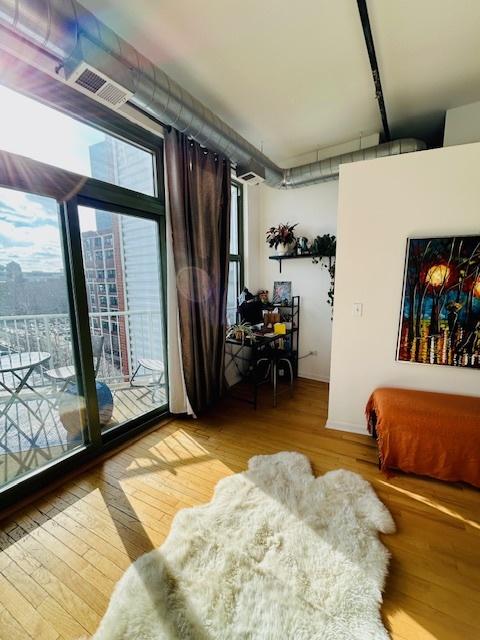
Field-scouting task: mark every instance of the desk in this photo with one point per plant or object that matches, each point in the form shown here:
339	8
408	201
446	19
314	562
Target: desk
247	356
21	366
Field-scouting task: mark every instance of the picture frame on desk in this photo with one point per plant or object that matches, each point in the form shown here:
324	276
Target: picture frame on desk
282	292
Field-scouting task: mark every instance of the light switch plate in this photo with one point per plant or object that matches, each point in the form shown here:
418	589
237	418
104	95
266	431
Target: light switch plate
357	309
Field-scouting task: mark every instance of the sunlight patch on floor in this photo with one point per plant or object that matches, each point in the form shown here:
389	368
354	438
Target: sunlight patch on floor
410	628
433	505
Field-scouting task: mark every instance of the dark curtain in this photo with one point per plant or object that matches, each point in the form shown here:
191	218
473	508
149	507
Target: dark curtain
199	192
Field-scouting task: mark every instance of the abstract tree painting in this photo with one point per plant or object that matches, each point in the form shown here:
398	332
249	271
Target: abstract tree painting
440	318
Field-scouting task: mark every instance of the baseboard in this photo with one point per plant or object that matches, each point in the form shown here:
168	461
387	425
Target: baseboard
347	426
309	376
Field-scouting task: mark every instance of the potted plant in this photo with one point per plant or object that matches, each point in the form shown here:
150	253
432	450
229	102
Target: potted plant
281	238
324	248
241	331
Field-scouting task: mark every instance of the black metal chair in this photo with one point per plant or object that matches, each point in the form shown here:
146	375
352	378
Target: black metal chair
280	360
265	364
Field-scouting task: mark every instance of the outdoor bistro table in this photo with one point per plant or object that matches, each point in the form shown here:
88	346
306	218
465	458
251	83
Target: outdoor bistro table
21	366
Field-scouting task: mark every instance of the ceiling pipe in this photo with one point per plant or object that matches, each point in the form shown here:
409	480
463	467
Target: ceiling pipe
329	168
372	56
57	27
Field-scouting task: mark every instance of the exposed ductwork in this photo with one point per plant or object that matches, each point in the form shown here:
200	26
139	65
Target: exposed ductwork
65	30
328	169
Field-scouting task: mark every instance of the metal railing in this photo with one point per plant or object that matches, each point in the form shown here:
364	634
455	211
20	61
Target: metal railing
128	336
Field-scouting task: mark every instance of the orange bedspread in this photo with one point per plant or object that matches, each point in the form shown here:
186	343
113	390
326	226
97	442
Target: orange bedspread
432	434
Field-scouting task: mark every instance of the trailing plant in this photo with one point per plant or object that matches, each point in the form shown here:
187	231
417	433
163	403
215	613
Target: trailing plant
283	234
324	249
324	246
241	331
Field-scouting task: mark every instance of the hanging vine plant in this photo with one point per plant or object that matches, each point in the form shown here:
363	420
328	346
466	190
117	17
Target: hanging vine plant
324	249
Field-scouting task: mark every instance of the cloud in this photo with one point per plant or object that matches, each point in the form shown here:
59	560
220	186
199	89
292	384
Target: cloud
22	209
6	242
29	231
36	223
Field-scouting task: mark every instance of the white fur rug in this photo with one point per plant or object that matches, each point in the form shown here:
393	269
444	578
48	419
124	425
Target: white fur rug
278	554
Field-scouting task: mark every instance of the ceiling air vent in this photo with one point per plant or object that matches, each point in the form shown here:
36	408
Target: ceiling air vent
95	84
251	176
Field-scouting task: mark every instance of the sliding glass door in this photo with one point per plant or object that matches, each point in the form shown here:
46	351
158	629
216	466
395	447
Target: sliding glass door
82	235
82	347
122	271
40	416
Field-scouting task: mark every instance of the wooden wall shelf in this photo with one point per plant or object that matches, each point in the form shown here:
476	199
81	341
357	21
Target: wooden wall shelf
291	257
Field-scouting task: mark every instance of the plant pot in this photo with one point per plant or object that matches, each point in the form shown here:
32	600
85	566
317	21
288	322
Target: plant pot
284	249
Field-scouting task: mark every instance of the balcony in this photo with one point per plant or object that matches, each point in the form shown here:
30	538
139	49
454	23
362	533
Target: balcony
31	428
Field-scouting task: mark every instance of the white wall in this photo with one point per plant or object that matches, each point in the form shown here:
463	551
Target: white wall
315	209
462	125
381	203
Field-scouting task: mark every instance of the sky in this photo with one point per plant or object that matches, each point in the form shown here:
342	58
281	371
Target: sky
29	231
28	223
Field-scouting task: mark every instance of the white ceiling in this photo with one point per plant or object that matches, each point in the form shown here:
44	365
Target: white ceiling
294	76
429	59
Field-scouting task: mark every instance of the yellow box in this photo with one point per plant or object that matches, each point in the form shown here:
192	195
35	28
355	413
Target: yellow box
279	327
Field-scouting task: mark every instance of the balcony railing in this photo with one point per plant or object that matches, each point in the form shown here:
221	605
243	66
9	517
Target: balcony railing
33	418
128	336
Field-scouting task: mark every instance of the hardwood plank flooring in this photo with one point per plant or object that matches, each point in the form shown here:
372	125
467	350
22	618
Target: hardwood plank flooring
15	458
62	555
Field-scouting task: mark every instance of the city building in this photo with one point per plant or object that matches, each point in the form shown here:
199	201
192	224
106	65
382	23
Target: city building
135	249
104	281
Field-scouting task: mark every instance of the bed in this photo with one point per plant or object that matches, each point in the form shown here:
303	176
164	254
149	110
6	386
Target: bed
426	433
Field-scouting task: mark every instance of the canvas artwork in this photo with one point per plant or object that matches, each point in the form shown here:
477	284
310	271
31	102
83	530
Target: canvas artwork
282	292
440	318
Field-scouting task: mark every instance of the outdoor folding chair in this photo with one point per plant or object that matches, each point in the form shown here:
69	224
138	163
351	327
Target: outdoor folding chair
65	375
157	368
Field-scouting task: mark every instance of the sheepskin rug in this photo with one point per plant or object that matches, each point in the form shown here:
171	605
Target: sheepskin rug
277	554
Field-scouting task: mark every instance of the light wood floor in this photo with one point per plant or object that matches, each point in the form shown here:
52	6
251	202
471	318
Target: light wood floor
128	403
63	554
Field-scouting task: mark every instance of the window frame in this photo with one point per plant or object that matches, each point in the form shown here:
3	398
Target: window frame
31	176
39	86
238	258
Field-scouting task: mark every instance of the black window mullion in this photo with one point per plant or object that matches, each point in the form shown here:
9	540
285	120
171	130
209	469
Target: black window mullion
162	246
121	206
83	350
25	174
96	190
238	258
241	248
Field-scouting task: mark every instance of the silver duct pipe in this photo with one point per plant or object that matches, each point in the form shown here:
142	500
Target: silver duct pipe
328	169
57	27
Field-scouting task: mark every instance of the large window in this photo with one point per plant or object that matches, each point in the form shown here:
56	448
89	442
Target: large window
44	134
82	347
235	272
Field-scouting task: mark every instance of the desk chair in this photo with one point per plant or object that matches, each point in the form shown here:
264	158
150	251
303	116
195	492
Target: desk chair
268	362
265	366
278	358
